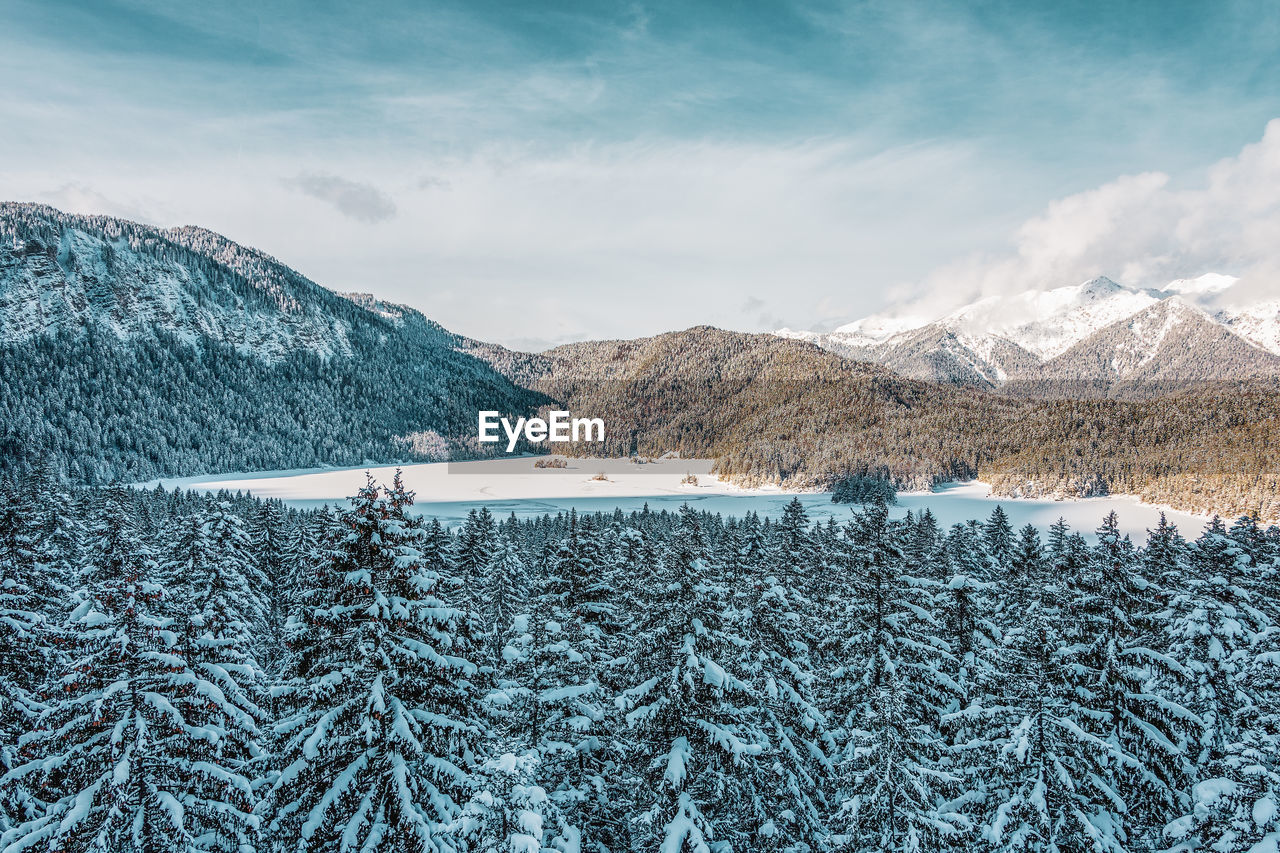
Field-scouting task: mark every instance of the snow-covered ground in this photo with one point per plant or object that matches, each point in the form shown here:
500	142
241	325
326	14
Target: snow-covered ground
509	478
449	491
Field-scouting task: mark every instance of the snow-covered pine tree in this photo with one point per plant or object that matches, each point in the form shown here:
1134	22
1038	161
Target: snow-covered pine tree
555	680
694	745
776	653
1219	636
509	812
555	714
890	690
266	535
475	546
230	540
997	535
213	609
1235	805
1112	661
117	754
376	746
26	639
506	587
1045	788
923	546
794	551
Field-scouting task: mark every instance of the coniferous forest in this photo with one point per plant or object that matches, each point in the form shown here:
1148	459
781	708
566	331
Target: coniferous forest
181	672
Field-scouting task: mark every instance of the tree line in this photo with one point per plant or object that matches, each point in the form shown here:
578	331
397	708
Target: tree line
181	672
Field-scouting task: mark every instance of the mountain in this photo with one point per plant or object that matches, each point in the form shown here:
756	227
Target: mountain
129	352
773	410
1027	337
1170	340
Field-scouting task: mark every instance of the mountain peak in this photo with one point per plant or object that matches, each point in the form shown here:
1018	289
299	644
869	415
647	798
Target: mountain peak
1014	335
1100	286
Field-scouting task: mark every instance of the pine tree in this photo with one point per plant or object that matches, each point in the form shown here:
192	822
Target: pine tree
509	812
378	737
213	614
694	749
890	692
1113	659
796	768
474	547
118	749
1235	805
998	536
1045	787
26	640
506	586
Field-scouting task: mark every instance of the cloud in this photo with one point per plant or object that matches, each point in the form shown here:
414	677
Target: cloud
77	197
433	182
354	200
1142	230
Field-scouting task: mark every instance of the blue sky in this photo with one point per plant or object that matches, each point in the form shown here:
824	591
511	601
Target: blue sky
538	172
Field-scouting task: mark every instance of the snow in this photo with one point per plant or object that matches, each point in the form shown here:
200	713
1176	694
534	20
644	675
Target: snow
1264	811
1049	322
449	491
677	762
168	295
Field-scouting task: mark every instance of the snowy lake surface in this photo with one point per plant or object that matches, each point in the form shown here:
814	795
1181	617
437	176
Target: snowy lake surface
448	491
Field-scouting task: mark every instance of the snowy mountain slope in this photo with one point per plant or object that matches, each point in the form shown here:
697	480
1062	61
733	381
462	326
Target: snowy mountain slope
131	352
940	353
1259	323
1171	340
1026	335
64	273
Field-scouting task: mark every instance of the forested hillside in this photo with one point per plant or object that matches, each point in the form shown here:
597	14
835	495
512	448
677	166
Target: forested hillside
180	672
129	352
775	410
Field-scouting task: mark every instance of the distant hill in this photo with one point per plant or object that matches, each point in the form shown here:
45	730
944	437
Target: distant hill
774	410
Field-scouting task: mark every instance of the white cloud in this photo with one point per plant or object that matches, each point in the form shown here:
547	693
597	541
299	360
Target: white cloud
77	197
1141	230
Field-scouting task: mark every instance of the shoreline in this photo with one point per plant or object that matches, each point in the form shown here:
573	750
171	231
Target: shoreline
513	480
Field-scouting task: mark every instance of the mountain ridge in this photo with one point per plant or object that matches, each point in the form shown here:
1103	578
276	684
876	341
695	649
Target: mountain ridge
133	353
1036	336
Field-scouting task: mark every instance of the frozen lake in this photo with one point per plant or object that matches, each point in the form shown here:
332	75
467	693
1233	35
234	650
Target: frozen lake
448	491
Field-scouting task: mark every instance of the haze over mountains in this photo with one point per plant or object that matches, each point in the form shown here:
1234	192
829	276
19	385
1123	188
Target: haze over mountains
1098	331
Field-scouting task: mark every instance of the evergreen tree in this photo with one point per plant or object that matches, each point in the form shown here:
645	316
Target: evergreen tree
693	748
379	733
124	748
890	692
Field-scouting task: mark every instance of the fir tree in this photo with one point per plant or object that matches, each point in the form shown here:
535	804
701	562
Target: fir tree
377	741
122	747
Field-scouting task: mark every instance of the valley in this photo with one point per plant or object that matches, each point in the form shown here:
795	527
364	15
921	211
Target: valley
130	353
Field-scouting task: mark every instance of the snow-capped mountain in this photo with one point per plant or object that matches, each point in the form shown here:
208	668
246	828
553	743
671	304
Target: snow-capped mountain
1169	340
1060	333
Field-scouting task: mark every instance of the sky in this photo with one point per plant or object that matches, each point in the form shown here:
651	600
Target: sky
534	173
